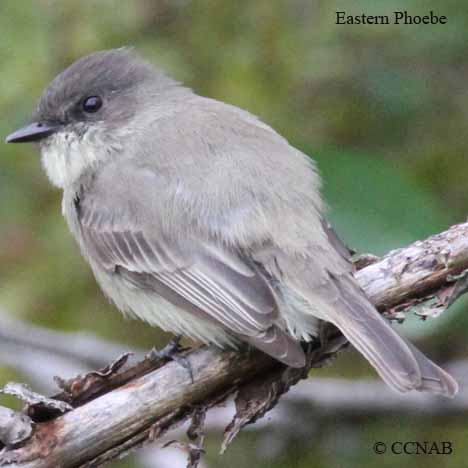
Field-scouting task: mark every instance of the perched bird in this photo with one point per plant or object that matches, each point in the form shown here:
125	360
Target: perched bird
200	219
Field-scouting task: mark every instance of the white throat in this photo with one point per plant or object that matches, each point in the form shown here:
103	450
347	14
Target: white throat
65	157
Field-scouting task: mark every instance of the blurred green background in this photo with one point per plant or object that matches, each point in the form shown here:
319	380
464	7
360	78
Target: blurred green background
382	109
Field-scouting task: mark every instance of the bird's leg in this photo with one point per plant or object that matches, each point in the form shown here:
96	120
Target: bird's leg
168	350
172	352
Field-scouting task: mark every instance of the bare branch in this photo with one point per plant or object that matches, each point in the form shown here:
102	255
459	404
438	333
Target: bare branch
425	270
148	402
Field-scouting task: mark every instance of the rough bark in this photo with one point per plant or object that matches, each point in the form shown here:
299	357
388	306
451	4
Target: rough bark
119	408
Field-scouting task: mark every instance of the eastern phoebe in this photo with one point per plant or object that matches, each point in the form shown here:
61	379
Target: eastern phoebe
198	218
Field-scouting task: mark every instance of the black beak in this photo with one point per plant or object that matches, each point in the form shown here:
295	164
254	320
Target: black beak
33	132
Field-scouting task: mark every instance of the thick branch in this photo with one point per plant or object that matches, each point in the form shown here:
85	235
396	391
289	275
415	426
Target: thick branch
418	272
26	350
110	421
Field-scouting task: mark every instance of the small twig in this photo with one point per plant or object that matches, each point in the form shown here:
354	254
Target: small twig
25	394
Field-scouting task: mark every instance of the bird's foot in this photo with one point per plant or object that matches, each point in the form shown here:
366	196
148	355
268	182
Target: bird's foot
172	352
168	351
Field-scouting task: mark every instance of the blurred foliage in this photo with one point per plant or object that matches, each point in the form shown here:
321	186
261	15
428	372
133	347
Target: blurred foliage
383	110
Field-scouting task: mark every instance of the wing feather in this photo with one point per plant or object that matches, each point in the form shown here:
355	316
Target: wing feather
201	276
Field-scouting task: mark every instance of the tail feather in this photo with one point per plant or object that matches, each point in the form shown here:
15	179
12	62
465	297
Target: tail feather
399	363
402	374
433	378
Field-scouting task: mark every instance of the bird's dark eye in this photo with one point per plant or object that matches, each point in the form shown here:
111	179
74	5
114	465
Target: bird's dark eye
92	104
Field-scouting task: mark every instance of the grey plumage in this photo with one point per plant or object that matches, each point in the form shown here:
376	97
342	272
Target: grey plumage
198	218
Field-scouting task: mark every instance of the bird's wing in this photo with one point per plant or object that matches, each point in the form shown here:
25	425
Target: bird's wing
201	276
331	291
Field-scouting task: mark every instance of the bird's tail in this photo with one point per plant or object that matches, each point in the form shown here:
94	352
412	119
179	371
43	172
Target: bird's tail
398	362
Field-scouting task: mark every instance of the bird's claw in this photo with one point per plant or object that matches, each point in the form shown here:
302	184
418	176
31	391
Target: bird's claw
172	352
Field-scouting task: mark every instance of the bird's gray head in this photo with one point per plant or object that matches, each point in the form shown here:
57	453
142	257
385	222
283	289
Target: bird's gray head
89	111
